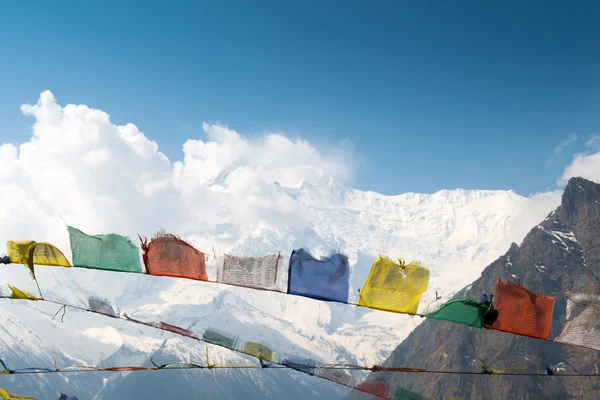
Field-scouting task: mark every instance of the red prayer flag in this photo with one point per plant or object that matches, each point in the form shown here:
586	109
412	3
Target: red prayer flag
521	311
177	329
170	256
378	387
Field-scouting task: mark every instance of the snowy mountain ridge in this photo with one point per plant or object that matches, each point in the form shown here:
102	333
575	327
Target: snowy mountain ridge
455	233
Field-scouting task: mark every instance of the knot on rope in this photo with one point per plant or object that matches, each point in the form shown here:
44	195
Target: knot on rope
5	260
376	368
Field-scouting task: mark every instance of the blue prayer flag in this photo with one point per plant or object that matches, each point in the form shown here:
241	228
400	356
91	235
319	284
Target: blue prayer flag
326	279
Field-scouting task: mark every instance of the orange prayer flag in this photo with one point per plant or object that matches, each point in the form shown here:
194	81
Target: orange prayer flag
170	256
378	387
521	311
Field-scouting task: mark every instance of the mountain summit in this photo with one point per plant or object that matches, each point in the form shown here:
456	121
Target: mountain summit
559	255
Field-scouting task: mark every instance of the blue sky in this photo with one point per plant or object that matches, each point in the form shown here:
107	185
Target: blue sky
433	95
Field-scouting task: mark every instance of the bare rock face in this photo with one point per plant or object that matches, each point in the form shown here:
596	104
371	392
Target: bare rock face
561	254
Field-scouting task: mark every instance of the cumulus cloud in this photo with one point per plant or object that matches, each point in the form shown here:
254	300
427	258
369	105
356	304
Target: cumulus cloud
583	165
586	164
103	177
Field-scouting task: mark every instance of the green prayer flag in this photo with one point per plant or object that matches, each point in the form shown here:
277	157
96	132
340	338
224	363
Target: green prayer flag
403	394
462	311
110	252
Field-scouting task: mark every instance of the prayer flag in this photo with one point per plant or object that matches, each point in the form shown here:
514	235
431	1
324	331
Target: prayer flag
306	366
462	311
170	256
378	387
522	312
255	272
337	375
259	351
582	321
102	306
394	287
21	294
176	329
403	394
35	253
6	395
109	252
326	279
218	338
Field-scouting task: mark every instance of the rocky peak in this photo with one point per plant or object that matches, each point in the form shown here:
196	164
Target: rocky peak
578	196
579	210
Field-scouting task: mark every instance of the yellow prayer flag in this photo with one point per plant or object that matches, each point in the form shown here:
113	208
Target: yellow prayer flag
394	287
29	252
259	351
21	294
17	250
6	395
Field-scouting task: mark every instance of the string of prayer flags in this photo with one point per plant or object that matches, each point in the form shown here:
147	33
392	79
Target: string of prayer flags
582	321
462	311
255	272
6	395
168	255
390	286
521	311
326	279
21	294
109	252
394	286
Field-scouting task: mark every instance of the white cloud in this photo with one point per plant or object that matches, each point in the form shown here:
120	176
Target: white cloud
102	177
593	142
585	165
561	146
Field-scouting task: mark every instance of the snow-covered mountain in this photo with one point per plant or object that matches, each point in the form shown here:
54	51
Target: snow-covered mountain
228	194
454	232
